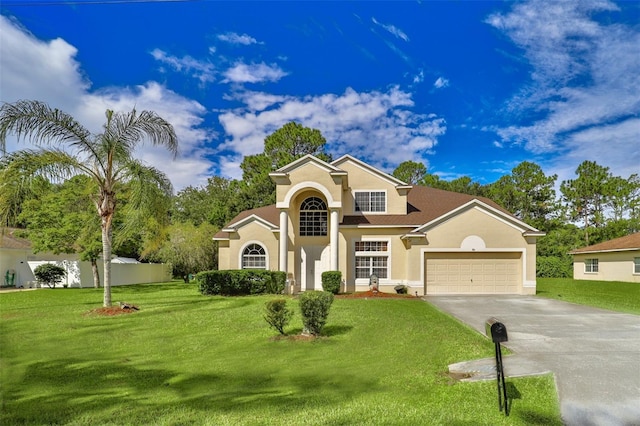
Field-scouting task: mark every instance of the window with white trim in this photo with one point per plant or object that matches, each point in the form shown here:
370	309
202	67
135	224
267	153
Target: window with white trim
254	257
372	257
313	217
370	201
636	265
591	265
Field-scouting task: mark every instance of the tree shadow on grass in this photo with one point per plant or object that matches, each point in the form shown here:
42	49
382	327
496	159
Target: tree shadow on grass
64	391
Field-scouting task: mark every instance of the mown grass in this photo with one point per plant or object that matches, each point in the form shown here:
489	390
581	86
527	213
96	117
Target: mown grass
613	295
189	359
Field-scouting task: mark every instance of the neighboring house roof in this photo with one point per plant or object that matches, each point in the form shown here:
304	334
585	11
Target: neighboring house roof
10	240
425	204
629	242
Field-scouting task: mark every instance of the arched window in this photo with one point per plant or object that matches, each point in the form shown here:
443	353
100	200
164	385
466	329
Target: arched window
313	217
254	257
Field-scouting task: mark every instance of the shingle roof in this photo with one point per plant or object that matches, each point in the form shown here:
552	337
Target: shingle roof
629	242
424	204
9	239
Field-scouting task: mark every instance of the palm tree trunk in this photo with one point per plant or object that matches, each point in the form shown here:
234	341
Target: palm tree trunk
106	258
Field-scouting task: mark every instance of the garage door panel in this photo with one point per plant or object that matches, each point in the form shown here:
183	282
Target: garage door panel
473	273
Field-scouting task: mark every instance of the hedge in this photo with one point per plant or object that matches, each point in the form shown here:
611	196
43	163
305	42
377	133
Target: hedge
241	282
331	281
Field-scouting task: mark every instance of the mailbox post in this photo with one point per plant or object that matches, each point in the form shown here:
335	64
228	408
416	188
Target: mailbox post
498	333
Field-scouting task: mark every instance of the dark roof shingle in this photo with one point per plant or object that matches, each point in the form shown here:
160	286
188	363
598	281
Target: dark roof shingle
424	204
629	242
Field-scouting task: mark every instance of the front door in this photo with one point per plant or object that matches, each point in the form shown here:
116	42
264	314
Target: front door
315	260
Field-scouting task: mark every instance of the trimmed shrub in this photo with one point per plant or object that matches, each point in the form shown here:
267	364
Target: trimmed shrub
331	281
49	274
554	267
241	282
314	307
277	314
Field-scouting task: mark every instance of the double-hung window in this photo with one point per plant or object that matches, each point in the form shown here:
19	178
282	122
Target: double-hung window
636	265
370	201
591	265
372	258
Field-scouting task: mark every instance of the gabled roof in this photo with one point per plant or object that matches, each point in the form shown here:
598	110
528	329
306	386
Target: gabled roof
629	242
269	215
392	179
425	205
306	160
9	239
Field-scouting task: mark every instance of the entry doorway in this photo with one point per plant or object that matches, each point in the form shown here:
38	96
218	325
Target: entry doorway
315	261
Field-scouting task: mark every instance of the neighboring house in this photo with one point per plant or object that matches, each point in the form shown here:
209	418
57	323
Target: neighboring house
17	263
613	260
350	217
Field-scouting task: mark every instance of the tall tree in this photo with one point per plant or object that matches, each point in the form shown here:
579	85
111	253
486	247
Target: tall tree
528	193
283	146
586	195
189	249
107	158
623	196
410	172
214	203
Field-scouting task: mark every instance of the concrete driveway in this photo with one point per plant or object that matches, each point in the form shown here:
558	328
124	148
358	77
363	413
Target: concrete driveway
594	353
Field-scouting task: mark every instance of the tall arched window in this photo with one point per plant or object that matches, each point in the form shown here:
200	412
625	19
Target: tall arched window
313	217
254	257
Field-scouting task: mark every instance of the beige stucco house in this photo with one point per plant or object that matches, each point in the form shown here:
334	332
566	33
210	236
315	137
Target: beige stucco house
613	260
348	216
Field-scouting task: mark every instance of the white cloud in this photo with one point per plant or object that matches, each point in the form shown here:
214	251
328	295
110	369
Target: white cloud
441	83
392	29
585	82
203	71
48	71
364	124
419	78
253	73
235	38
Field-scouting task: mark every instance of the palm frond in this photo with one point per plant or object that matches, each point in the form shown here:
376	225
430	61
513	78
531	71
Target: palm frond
124	131
41	124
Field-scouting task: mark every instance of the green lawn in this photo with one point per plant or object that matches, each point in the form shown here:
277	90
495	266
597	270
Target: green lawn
190	359
612	295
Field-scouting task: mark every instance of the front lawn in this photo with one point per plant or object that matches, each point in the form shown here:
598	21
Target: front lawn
184	358
612	295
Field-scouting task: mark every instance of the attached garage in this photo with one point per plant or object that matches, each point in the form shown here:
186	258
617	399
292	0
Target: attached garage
473	273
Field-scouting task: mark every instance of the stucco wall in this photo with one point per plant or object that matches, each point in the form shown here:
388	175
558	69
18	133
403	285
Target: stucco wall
613	266
310	175
497	235
360	179
253	232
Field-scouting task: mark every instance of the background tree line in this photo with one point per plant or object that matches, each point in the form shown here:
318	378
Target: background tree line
593	207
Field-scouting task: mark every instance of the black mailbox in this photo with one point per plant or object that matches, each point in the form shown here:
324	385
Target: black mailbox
496	330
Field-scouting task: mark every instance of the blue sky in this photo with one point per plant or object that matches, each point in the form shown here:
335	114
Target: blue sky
466	87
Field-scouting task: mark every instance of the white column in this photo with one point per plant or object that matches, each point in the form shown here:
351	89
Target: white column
284	237
333	240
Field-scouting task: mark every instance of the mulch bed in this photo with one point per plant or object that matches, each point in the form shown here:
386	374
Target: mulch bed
374	295
123	308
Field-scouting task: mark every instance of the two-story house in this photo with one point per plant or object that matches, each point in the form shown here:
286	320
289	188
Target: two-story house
351	217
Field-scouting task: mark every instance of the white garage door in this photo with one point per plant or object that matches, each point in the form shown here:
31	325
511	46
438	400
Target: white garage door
473	273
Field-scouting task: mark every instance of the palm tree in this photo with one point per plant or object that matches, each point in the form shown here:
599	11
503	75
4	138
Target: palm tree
107	158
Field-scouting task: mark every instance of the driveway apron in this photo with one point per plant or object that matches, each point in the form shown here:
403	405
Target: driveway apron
593	353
